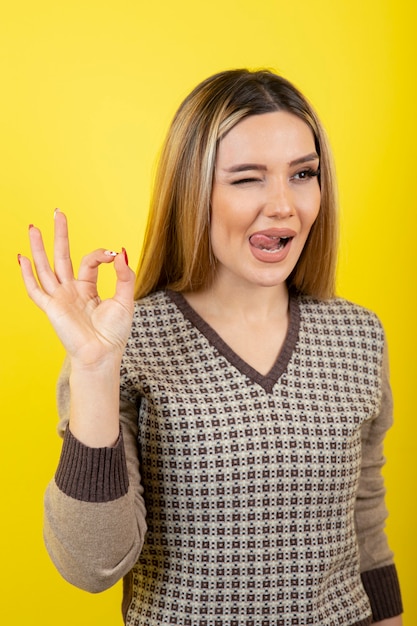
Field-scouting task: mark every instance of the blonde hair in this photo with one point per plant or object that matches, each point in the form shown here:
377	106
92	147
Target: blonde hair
177	251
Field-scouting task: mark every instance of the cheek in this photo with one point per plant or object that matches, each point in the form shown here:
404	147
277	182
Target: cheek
312	210
225	218
218	229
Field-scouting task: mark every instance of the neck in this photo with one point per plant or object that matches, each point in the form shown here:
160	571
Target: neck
244	301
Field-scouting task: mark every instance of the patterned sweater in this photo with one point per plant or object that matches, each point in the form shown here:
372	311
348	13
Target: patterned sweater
233	498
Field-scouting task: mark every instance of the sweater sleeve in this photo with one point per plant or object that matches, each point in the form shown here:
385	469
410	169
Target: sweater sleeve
94	523
378	572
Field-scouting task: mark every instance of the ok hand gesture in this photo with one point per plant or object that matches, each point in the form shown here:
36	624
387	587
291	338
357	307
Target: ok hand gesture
91	330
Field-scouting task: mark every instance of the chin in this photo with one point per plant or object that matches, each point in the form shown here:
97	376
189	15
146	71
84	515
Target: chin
269	281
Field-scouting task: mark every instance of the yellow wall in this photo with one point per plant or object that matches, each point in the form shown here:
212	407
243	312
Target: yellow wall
87	90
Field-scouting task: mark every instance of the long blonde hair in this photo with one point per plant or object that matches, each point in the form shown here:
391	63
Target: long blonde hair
177	252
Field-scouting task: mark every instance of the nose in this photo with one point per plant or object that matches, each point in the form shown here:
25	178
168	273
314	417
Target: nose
278	200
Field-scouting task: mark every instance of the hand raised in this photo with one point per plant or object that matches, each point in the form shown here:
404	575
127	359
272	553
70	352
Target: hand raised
91	330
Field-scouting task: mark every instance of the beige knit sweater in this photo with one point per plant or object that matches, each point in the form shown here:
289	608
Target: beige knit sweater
233	498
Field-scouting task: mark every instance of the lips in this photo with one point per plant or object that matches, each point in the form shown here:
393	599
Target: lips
271	245
271	240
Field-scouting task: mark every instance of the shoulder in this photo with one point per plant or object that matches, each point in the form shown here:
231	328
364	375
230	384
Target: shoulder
155	310
156	318
157	301
340	318
338	310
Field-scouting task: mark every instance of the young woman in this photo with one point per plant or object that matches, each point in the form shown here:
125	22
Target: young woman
223	427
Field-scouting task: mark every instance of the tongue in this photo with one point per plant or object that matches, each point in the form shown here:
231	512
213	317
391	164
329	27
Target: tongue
263	242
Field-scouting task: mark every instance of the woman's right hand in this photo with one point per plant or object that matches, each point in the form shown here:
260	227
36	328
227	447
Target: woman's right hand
91	330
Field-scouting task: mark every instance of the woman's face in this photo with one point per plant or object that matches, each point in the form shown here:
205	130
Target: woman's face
265	198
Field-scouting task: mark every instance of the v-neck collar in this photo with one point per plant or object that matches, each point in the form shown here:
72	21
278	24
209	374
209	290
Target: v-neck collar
266	381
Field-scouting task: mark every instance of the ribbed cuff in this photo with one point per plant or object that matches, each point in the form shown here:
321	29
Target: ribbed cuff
383	590
92	474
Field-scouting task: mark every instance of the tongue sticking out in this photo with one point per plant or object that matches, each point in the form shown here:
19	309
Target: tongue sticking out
272	244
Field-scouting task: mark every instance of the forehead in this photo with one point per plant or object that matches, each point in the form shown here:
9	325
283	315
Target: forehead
278	136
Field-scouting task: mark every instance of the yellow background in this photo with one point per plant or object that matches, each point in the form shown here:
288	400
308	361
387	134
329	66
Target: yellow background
87	90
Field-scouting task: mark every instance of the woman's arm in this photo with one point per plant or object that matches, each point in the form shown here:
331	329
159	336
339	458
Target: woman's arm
379	575
93	332
95	518
94	510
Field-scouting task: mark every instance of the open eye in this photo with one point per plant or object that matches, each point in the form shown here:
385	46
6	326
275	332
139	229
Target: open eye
306	174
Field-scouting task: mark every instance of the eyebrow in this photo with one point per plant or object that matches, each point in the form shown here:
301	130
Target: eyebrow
244	167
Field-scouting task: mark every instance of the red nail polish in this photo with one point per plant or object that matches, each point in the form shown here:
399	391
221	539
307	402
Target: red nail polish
125	255
19	256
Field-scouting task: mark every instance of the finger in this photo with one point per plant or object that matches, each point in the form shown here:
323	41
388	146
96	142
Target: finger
91	262
46	276
62	256
125	284
35	293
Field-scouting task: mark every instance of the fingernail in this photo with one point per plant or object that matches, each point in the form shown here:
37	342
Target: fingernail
110	253
30	226
55	212
125	255
19	256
